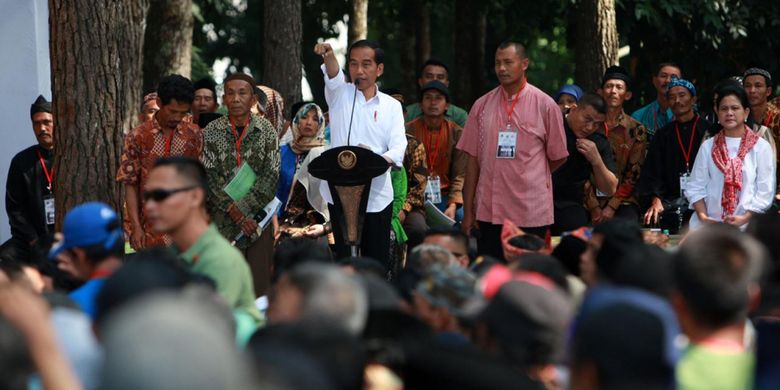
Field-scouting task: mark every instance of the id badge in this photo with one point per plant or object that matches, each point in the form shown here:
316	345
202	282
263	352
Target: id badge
433	190
600	194
684	183
507	143
48	209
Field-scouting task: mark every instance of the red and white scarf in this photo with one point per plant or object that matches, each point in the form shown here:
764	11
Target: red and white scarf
731	167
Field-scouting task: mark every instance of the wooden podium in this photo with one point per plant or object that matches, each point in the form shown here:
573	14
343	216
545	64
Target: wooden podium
349	171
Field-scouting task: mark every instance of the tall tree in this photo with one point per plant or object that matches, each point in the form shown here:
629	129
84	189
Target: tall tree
469	81
283	36
96	86
597	41
358	20
167	41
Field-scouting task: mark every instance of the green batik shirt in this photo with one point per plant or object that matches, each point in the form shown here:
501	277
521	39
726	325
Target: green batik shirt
260	150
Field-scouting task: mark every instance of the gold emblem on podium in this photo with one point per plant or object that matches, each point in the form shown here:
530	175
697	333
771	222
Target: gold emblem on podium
347	159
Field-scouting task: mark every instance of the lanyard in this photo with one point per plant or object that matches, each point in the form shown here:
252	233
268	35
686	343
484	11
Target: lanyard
511	109
606	129
49	175
239	140
100	274
434	146
687	156
168	142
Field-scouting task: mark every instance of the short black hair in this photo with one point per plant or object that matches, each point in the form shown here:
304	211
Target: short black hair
187	167
294	251
732	90
434	62
519	48
449	231
661	65
713	270
379	54
176	87
592	100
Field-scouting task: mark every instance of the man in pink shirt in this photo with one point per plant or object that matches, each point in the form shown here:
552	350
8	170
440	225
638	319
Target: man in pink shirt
514	139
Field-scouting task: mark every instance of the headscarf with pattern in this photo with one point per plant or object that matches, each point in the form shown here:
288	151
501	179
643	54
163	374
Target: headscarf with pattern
274	108
300	143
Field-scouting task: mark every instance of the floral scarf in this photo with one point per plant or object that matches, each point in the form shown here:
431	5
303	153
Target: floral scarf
731	167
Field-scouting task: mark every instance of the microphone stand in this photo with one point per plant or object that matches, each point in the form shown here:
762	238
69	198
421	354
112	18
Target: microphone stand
352	114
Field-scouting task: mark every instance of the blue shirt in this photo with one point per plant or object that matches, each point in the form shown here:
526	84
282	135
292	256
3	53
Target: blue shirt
86	295
287	167
653	118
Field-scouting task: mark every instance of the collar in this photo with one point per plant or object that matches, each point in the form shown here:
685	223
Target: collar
157	129
192	255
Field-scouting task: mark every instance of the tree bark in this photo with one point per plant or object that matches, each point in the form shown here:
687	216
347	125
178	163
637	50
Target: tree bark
167	40
423	32
408	56
358	21
96	88
597	41
468	82
282	40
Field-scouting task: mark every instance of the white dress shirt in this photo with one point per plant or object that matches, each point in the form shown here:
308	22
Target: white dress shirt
377	123
758	180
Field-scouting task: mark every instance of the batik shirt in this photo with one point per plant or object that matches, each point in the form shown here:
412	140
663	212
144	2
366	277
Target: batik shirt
144	145
772	121
416	168
628	139
260	150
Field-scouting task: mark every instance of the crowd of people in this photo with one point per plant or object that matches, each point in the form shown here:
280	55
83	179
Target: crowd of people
531	242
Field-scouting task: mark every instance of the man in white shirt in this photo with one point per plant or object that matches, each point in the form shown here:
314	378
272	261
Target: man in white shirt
377	124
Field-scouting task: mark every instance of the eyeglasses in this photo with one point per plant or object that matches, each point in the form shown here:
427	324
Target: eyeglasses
160	195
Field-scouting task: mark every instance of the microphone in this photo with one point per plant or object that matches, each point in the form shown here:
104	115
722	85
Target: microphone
352	114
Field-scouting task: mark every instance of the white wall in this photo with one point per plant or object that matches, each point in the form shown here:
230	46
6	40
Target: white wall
25	72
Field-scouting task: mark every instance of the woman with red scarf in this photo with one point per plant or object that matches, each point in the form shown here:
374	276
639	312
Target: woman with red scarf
734	172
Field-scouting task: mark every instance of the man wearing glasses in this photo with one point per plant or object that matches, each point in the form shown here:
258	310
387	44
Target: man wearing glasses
175	204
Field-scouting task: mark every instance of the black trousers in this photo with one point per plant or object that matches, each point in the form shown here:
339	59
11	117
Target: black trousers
415	227
375	241
569	217
489	239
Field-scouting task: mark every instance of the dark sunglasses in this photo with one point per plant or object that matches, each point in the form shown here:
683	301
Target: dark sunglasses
160	195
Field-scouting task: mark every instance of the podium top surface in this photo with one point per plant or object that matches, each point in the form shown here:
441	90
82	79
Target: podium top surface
348	165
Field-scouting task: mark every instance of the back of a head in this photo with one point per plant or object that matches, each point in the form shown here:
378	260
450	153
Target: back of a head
424	256
172	341
625	344
188	169
150	271
545	265
329	295
15	362
646	267
295	251
713	271
528	322
337	353
621	237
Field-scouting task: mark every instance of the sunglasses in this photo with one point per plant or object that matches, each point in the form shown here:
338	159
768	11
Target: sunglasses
160	195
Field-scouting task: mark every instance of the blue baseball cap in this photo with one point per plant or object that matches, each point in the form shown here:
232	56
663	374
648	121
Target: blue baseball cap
92	223
570	89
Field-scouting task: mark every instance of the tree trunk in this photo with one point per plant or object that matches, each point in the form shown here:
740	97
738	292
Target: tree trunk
423	32
358	21
96	87
597	41
408	56
469	81
167	41
282	39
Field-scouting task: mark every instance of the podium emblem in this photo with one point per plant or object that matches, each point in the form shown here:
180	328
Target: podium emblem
347	159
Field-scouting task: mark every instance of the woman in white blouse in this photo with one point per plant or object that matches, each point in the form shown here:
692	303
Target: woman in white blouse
734	173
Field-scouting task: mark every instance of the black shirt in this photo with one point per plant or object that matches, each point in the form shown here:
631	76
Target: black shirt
665	160
569	179
25	189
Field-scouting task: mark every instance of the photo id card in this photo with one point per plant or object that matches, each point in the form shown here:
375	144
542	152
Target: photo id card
433	190
684	183
507	144
48	209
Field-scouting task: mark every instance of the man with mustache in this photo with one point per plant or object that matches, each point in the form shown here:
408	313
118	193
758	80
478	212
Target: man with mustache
758	86
166	134
29	195
628	139
514	139
658	113
670	160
